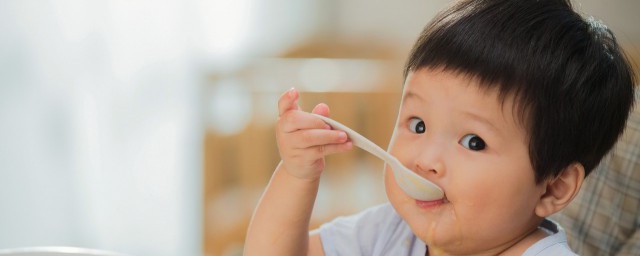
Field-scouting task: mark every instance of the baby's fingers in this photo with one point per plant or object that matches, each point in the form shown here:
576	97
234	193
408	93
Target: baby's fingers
316	137
288	101
321	109
337	148
297	120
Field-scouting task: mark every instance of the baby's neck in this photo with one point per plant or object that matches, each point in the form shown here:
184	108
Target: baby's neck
517	248
520	247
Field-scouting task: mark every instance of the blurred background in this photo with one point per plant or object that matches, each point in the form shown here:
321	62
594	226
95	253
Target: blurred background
147	127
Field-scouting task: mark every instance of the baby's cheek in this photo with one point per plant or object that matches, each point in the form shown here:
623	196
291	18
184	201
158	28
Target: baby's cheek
473	192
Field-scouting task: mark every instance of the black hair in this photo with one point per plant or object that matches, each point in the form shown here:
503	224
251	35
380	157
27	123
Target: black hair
572	84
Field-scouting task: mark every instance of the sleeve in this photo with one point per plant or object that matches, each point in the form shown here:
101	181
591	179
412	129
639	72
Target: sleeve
356	234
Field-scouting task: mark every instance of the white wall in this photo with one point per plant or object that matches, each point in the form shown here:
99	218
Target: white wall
99	133
100	114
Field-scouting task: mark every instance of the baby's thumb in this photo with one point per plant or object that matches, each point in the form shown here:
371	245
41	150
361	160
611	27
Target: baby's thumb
321	109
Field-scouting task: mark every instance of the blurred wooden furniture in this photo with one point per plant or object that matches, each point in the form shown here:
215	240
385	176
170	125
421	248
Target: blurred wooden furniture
365	95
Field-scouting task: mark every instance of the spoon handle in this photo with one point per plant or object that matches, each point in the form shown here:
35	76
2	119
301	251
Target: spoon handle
412	183
359	140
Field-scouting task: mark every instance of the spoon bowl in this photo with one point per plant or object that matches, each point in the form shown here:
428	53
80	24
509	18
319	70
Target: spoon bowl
413	184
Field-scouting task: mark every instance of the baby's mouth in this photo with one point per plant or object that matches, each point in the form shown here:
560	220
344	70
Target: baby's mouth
432	203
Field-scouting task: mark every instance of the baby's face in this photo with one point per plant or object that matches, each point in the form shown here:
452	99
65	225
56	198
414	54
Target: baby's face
461	138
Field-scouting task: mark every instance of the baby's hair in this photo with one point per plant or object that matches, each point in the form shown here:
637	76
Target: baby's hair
573	87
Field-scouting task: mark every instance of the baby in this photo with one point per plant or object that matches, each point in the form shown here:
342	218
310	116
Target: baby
507	105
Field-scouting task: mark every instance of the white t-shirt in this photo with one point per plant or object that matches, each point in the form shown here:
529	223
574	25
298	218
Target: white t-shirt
379	230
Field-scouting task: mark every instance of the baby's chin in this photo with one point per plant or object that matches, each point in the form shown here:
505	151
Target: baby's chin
437	226
430	230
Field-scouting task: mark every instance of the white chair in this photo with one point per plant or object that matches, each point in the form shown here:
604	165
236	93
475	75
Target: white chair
56	251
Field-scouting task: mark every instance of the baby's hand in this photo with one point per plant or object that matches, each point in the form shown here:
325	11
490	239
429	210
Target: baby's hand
304	140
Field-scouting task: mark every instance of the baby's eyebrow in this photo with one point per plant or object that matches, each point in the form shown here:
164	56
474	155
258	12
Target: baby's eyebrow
483	120
413	96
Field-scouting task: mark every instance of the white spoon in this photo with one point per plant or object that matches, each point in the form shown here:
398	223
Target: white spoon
415	186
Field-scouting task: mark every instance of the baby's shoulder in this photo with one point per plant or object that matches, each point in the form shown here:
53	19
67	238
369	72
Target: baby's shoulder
379	220
374	231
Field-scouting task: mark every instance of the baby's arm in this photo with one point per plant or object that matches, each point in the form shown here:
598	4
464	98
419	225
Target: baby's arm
280	223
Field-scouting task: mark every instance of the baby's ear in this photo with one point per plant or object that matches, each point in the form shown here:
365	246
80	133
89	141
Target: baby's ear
561	190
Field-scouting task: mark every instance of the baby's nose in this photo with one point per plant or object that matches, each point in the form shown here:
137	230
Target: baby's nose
430	162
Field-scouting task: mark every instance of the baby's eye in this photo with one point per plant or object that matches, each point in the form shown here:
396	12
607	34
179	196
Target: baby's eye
473	142
416	125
